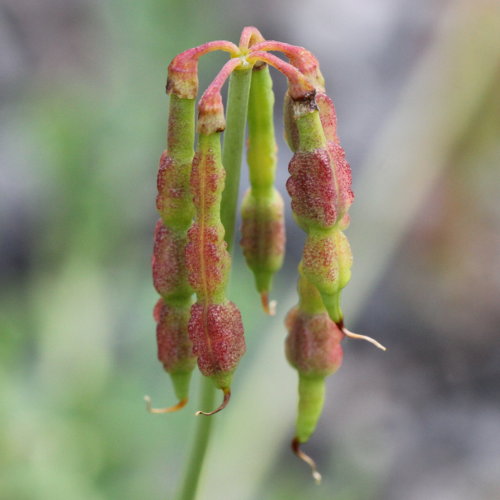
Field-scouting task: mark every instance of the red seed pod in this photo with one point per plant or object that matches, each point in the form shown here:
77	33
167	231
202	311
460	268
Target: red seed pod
312	187
313	343
216	331
168	262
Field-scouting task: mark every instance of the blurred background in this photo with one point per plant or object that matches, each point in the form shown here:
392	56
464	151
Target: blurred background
83	118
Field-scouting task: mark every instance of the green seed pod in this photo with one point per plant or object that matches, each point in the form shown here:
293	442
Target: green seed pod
263	239
263	227
326	262
174	203
320	188
313	349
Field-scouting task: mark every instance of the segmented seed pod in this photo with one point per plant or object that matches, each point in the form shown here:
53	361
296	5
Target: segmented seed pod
313	348
215	325
319	207
263	226
175	206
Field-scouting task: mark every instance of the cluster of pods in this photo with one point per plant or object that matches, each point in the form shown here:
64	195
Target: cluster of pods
196	322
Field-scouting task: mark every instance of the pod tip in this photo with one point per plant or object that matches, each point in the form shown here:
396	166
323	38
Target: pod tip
225	401
170	409
268	306
352	335
307	459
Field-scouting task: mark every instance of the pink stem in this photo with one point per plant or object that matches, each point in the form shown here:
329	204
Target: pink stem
300	57
299	86
192	55
249	36
212	94
183	70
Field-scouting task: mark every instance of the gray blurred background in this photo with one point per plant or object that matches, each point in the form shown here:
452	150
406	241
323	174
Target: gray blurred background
83	118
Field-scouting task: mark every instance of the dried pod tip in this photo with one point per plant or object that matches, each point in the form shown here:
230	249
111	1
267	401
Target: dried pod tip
357	336
225	401
268	306
181	404
307	459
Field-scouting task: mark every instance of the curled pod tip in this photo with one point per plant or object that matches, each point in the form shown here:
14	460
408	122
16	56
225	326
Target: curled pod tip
170	409
225	401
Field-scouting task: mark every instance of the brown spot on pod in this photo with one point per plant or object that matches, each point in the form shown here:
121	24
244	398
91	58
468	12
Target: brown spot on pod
168	263
216	331
313	343
312	187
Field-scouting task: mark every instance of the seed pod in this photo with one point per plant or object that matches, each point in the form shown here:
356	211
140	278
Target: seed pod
313	349
326	263
170	277
174	347
263	239
215	325
320	188
263	226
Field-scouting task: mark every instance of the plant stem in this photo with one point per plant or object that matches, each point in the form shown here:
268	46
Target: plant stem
237	104
232	151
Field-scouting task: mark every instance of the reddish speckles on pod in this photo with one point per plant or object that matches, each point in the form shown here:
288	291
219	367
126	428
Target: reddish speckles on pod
216	331
312	188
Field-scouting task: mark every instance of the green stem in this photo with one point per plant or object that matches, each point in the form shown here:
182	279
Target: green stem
232	151
237	104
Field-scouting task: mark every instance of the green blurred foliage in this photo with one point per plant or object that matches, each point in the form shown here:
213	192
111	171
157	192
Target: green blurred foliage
77	346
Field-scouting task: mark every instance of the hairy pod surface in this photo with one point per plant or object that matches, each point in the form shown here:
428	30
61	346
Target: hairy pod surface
207	259
263	236
216	331
313	343
169	268
175	350
311	186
